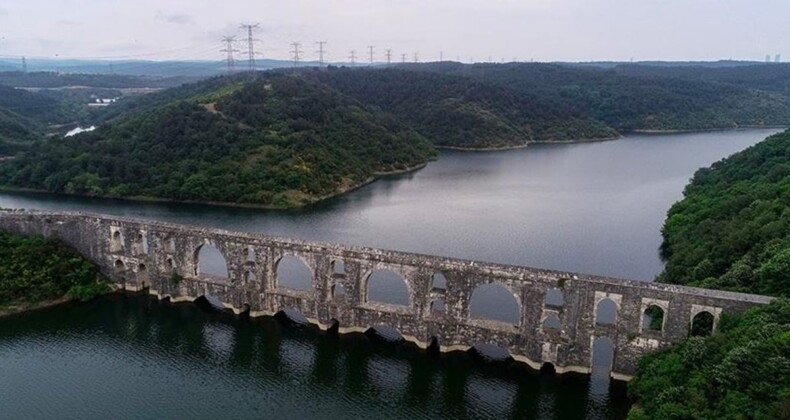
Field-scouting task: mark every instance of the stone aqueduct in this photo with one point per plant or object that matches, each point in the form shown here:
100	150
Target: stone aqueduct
141	255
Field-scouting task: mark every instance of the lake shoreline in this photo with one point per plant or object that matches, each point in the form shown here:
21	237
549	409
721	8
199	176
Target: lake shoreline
19	310
527	144
143	199
707	130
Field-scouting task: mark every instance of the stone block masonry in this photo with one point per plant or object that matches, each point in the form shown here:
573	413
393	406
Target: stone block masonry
140	255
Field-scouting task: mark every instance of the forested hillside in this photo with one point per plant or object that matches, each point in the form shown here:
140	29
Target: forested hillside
49	79
461	112
732	229
34	269
24	117
768	77
654	101
271	140
742	372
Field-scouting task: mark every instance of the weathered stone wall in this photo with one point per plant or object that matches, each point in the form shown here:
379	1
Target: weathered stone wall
139	254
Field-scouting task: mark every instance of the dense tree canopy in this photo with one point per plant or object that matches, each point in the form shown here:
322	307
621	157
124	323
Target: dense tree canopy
36	269
743	372
273	140
645	97
462	112
732	229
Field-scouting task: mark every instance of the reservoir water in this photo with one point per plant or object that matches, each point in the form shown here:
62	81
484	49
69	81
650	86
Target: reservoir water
590	207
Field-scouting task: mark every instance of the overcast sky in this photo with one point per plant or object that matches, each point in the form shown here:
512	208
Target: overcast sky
543	30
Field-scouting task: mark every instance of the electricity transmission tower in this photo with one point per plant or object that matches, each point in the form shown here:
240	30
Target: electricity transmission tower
441	56
389	56
353	57
229	50
296	52
370	53
24	64
416	58
321	52
250	44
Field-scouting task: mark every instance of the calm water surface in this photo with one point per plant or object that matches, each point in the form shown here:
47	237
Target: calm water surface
595	208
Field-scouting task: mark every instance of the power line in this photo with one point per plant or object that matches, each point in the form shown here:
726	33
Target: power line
353	57
296	52
370	52
229	50
321	51
250	44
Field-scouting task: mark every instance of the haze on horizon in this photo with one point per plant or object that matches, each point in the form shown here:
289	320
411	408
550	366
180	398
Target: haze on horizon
541	30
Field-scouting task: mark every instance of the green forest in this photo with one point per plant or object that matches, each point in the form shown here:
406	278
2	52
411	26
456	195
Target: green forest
741	372
652	98
34	269
731	231
289	138
461	112
272	140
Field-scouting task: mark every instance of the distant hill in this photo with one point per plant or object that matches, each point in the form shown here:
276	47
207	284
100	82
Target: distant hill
49	79
657	100
272	140
24	117
460	112
773	77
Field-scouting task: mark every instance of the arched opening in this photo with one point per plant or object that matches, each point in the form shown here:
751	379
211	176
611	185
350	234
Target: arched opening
116	243
548	367
292	316
653	318
249	254
555	298
606	312
702	324
438	307
211	262
338	268
439	282
142	275
140	244
495	302
250	277
602	356
385	332
119	266
338	290
433	348
385	286
334	327
209	301
491	352
170	263
294	274
552	323
170	245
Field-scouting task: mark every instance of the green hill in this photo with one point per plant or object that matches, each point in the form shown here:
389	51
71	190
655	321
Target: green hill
460	112
657	98
272	140
732	229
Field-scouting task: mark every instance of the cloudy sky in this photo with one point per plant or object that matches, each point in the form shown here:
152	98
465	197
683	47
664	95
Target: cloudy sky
543	30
